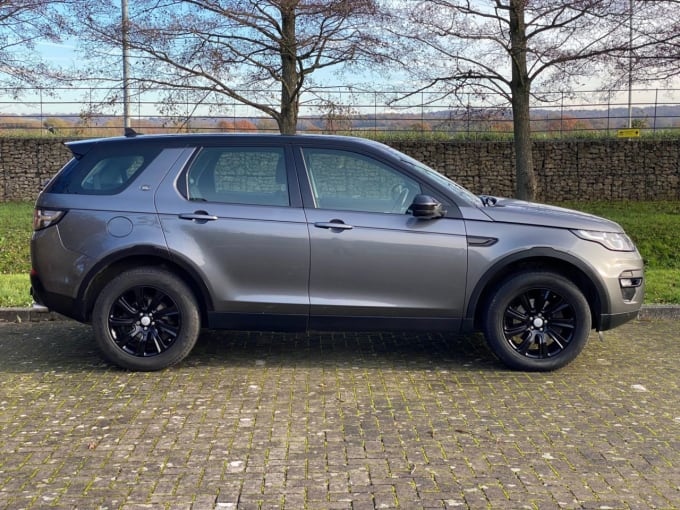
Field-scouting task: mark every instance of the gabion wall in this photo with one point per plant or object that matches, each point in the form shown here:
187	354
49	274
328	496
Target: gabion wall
565	170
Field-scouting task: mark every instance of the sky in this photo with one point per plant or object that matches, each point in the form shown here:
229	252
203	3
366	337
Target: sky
66	55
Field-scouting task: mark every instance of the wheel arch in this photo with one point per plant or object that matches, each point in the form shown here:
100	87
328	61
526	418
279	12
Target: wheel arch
545	259
140	256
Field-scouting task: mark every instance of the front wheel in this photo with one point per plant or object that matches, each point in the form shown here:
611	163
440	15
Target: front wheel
146	319
537	321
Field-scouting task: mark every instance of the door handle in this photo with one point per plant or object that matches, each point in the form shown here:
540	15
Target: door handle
198	216
333	225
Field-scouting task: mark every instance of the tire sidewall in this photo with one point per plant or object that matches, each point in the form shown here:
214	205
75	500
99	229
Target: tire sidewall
513	287
174	288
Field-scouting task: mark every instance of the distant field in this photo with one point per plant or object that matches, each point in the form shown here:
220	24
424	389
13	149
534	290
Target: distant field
654	226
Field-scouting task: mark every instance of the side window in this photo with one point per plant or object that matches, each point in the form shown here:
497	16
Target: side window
112	173
104	171
353	182
239	175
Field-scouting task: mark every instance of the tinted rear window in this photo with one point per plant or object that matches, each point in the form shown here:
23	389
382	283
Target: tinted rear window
103	171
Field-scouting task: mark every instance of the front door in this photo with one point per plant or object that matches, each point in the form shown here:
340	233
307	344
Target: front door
371	262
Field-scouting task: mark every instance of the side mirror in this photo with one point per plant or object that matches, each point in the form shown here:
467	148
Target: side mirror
425	207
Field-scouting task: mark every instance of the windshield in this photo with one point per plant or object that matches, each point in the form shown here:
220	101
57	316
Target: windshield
459	191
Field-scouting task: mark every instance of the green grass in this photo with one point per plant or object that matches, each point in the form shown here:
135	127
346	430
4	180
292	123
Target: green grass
16	220
654	226
14	290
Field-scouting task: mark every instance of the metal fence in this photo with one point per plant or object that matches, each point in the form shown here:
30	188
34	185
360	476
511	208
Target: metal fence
99	112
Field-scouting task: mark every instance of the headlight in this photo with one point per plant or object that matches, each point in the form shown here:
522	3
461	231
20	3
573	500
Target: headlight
611	240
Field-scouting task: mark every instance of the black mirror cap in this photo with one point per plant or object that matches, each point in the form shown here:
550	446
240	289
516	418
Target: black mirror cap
425	207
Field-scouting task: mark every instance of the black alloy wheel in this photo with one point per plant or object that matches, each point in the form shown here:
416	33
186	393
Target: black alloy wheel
146	319
537	321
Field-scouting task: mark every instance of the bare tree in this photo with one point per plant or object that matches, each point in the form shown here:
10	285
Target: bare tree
510	48
23	23
242	49
654	44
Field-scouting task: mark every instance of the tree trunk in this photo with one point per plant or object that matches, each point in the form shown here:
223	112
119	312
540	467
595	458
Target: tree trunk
290	97
525	179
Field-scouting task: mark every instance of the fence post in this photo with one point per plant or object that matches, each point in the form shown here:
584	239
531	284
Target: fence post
656	102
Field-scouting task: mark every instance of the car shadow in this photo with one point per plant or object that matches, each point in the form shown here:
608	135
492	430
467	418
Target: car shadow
66	346
399	350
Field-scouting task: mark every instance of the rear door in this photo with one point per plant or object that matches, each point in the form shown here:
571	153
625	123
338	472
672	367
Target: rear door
374	266
235	216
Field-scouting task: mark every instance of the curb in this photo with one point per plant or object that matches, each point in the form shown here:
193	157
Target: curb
649	312
19	315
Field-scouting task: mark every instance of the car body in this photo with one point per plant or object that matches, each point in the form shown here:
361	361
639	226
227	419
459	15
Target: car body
151	238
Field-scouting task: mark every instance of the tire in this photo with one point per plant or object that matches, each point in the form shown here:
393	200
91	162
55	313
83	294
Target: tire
146	319
537	321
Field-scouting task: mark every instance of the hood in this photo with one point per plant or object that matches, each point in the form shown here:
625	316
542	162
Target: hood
517	211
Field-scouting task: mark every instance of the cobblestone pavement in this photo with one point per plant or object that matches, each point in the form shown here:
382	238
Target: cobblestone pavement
339	421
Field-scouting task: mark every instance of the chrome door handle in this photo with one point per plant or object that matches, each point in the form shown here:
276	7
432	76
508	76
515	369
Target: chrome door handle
199	216
333	225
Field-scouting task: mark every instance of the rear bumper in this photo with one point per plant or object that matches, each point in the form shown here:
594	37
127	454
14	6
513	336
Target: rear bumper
59	303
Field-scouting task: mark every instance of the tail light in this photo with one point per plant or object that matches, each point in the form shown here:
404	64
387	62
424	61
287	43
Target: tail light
43	218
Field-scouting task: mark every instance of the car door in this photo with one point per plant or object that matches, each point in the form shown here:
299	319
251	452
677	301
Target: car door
372	265
235	216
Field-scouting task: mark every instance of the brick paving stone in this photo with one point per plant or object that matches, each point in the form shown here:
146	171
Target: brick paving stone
339	421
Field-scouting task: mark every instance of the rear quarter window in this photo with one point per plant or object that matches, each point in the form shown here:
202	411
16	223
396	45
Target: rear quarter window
103	171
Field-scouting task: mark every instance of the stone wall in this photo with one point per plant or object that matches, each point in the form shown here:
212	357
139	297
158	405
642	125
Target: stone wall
26	164
566	170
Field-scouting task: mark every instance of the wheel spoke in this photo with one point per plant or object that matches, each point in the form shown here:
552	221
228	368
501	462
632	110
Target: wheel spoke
156	300
542	345
515	330
158	342
526	303
170	329
121	322
139	349
527	343
557	306
126	336
139	298
127	307
169	313
544	300
515	314
558	338
144	321
563	323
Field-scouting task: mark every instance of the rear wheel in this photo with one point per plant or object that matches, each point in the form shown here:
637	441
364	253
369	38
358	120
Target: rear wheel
146	319
537	321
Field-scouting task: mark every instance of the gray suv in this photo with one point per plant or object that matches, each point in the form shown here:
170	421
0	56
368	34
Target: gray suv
151	238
